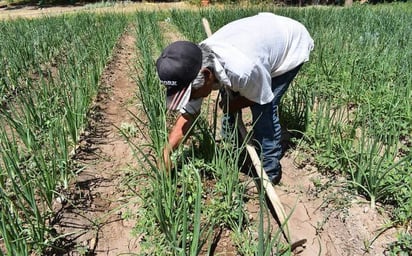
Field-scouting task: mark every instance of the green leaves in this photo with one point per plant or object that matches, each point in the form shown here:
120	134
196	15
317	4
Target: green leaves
360	113
52	75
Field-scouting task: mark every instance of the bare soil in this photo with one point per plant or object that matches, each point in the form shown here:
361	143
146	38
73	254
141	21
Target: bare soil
94	212
98	201
13	11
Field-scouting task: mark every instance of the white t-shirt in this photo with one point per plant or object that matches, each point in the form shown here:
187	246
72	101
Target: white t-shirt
251	51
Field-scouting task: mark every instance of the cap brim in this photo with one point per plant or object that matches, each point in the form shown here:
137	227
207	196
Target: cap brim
178	100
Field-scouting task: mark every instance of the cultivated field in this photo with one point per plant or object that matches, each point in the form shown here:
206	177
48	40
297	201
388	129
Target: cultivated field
83	122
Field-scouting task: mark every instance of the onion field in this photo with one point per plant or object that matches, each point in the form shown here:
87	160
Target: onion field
349	112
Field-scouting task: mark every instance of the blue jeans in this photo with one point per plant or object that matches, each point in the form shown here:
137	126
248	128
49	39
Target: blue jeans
266	129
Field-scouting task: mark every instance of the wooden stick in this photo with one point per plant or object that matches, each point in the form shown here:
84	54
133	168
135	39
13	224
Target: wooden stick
267	184
206	26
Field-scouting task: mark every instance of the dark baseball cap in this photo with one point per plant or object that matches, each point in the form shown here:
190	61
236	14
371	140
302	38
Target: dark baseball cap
177	66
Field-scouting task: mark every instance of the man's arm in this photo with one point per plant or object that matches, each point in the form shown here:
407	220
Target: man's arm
176	135
179	130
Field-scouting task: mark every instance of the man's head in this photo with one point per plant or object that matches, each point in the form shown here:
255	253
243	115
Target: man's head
180	69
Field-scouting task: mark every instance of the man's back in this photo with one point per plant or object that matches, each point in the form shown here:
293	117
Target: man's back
276	42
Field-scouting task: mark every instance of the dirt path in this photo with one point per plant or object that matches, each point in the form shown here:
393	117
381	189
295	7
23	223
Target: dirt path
33	11
332	221
99	200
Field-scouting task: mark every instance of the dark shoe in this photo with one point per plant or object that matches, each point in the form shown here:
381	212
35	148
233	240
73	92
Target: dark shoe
276	178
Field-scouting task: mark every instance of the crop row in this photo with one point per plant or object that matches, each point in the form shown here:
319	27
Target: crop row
51	67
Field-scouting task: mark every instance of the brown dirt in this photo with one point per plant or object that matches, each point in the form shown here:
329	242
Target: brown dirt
332	221
99	201
34	11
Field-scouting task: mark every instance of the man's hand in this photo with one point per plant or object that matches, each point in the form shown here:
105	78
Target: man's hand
181	127
166	159
164	162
